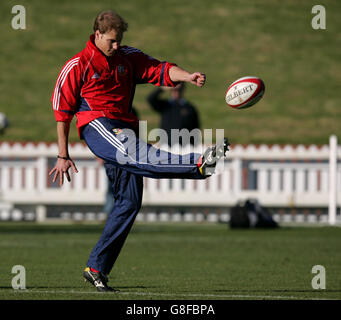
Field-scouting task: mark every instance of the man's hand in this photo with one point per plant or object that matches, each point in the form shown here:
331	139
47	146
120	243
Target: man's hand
177	74
198	79
62	166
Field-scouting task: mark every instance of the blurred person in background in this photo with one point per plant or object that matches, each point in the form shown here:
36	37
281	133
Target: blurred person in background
3	123
175	112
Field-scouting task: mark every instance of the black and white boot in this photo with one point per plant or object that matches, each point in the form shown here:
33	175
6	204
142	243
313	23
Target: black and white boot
98	280
208	161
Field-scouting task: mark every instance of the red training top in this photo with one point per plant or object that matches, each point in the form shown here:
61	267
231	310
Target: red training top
92	85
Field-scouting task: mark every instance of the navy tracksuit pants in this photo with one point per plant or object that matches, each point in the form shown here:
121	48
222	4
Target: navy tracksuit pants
127	160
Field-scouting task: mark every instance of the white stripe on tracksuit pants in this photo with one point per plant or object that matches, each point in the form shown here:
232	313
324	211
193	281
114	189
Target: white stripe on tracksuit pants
128	152
127	160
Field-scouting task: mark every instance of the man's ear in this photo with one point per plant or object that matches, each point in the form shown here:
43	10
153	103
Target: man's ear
97	34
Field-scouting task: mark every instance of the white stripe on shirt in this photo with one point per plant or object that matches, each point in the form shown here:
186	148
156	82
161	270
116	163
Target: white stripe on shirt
60	81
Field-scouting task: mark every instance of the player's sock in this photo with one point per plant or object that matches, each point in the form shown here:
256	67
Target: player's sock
199	163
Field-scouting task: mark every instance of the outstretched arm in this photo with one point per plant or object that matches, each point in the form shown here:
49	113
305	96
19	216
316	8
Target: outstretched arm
64	162
177	74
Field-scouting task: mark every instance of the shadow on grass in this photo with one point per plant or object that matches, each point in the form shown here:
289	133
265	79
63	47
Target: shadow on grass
86	286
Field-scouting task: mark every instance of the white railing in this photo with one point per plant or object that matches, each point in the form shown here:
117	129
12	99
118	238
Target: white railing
278	176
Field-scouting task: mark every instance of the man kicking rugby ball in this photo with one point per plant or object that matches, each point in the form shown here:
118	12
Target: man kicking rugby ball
97	86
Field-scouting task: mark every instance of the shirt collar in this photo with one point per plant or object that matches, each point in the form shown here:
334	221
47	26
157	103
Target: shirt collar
91	45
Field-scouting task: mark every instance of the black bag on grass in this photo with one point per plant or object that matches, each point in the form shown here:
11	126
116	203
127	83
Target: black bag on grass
239	217
251	215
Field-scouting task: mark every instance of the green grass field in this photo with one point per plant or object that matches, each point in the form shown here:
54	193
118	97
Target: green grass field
225	39
174	261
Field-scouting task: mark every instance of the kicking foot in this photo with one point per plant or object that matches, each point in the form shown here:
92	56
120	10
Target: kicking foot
208	161
98	280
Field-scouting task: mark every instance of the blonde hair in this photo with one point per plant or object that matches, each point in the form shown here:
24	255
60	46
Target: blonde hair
110	20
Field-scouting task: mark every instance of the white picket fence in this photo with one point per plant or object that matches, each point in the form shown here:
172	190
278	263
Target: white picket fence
278	176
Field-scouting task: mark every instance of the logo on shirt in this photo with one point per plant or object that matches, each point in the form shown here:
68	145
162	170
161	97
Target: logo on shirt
95	76
122	71
120	135
117	131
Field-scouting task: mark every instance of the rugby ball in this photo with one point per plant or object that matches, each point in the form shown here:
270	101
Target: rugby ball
244	92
